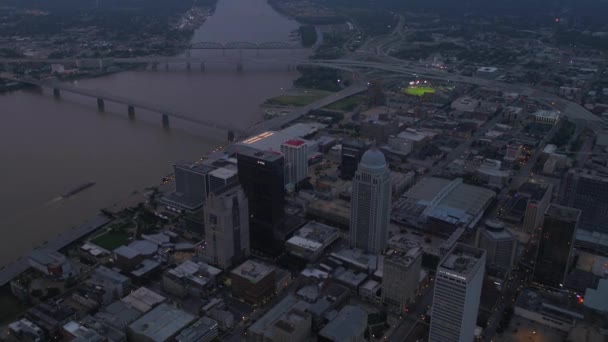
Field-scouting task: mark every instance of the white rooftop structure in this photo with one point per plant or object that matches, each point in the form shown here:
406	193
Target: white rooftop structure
198	272
253	270
223	173
314	236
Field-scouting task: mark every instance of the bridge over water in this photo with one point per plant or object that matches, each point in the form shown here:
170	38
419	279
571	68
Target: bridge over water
131	104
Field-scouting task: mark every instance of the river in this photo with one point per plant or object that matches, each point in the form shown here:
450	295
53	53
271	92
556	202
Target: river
50	146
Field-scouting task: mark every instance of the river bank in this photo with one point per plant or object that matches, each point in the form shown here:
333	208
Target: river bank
74	142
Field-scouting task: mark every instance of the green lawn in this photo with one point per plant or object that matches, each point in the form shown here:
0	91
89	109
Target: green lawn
419	91
348	103
294	100
111	240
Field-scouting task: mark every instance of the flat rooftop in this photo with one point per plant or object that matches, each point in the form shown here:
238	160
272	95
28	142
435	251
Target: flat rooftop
162	322
143	299
404	258
253	270
193	167
264	155
223	173
350	323
462	259
314	235
536	191
198	272
563	213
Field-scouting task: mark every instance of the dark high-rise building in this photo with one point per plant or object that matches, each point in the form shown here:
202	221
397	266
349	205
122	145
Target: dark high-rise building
352	151
261	174
555	245
588	192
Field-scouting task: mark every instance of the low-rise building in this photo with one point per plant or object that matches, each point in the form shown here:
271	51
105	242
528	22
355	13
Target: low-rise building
51	263
286	321
143	299
547	116
489	73
253	281
554	313
203	330
50	316
73	331
114	282
310	241
348	326
162	323
190	278
118	315
25	330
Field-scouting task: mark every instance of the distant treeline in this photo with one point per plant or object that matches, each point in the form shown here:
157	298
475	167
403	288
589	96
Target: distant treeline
308	34
588	11
143	7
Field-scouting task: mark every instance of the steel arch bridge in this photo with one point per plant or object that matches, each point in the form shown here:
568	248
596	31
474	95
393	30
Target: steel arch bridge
243	46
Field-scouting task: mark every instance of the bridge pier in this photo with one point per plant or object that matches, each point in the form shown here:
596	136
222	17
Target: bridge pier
239	67
56	93
131	112
165	121
167	66
154	66
231	136
100	104
202	66
188	66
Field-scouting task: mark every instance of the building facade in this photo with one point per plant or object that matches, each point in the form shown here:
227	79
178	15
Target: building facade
253	281
587	192
261	174
554	252
222	177
352	151
371	203
500	246
296	160
226	227
191	187
400	279
457	293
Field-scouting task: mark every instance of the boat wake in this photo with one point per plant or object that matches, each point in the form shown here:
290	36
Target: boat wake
53	201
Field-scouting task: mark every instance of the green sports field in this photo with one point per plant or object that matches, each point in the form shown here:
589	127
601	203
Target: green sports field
419	91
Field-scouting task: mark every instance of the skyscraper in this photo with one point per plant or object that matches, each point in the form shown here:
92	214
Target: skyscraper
226	226
222	177
190	186
261	174
555	245
587	191
352	151
371	203
457	294
401	277
500	246
296	160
